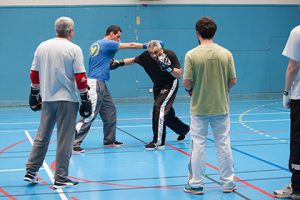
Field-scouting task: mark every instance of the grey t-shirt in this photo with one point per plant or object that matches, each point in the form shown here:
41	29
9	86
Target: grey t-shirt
57	61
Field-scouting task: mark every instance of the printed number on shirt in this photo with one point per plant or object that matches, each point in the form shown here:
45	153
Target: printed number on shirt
94	49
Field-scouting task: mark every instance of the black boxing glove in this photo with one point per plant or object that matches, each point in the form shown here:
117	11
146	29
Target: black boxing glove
85	109
35	99
114	64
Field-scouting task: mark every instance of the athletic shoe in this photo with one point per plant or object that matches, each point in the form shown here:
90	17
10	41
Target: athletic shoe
295	196
150	146
31	177
78	150
161	147
181	138
229	190
192	190
115	143
64	183
284	193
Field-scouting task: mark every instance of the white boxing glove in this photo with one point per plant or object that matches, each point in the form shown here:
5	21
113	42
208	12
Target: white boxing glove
165	63
286	99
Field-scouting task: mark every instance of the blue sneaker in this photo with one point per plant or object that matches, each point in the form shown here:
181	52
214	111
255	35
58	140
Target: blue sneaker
192	190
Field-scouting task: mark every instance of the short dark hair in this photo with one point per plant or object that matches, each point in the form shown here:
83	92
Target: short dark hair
113	28
206	27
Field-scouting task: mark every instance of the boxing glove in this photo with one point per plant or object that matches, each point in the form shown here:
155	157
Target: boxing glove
165	63
114	64
85	109
35	99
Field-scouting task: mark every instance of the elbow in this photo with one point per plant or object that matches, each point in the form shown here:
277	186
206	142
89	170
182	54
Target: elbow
178	75
232	82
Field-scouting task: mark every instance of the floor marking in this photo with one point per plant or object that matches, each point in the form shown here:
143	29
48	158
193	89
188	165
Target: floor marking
48	170
236	178
247	113
6	194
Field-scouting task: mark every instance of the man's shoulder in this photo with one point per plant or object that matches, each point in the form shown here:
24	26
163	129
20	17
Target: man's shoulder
143	57
222	49
170	53
192	51
46	42
296	31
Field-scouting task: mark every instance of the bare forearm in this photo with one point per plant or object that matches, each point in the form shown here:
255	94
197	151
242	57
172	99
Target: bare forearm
187	84
131	45
290	75
177	73
129	61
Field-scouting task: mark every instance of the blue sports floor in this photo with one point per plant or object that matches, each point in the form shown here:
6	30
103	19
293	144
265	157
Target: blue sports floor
260	143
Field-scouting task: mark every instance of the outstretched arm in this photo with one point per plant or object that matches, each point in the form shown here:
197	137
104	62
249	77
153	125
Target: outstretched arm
114	64
132	45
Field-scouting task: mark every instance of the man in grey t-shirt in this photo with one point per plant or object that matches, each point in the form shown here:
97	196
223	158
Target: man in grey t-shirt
57	65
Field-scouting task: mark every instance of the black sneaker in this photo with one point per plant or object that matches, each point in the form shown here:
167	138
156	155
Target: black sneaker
64	183
180	138
78	150
150	146
31	177
115	143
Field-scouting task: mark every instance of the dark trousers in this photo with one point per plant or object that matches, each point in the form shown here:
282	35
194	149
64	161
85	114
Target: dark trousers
163	113
62	113
294	162
103	105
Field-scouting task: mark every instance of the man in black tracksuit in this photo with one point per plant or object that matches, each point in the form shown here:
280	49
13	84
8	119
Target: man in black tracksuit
163	68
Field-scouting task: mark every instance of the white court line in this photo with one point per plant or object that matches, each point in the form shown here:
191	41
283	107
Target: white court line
148	118
147	125
263	120
47	168
15	170
243	123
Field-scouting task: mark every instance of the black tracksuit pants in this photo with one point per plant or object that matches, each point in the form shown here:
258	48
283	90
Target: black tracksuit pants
294	162
164	114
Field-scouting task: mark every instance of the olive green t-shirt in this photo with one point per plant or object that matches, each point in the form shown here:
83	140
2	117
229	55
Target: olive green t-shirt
210	68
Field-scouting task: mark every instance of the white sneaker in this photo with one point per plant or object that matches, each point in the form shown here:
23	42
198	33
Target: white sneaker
284	193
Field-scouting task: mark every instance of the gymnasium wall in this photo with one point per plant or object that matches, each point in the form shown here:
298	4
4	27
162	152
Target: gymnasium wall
254	33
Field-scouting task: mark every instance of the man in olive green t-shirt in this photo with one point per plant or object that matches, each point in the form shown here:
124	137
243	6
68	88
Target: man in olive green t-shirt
209	73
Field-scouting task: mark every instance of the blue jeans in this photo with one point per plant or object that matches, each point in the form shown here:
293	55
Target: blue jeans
220	125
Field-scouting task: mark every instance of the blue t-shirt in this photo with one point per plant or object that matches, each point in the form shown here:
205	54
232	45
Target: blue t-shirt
101	52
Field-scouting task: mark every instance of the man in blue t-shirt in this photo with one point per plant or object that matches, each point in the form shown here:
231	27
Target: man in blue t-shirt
101	53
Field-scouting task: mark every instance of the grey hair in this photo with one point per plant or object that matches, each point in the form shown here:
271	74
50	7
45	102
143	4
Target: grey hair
64	26
154	43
